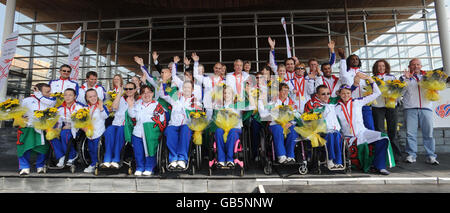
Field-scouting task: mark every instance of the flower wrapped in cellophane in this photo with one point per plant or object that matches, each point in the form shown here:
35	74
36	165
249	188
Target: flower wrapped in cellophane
46	120
59	98
11	109
393	92
110	97
283	114
433	81
311	127
226	120
368	90
198	122
82	120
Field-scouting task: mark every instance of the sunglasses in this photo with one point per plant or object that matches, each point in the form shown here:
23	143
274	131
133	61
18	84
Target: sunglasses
128	88
299	68
325	93
66	71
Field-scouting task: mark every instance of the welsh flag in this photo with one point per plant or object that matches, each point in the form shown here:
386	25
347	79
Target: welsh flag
29	139
362	153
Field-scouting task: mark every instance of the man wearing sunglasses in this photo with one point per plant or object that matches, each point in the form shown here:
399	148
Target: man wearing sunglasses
321	102
64	81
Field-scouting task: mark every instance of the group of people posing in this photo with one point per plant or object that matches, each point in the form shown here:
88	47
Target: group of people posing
160	105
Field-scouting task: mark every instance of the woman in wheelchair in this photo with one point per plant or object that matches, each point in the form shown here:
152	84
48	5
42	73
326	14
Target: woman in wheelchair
150	122
99	113
321	102
114	134
225	150
68	130
349	112
178	134
284	152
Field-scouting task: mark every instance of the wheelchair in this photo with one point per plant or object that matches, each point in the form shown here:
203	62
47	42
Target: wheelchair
241	152
126	156
194	158
319	156
72	143
267	153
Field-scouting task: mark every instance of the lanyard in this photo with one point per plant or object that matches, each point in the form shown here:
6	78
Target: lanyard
328	85
70	108
238	85
300	86
348	116
93	111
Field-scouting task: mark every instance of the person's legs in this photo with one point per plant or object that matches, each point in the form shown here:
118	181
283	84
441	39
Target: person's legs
93	150
118	144
172	135
232	138
378	114
278	140
220	145
139	154
412	124
24	160
392	123
183	143
367	117
290	142
110	139
256	136
379	160
40	160
426	123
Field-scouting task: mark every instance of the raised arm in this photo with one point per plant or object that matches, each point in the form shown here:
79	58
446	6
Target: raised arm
272	62
376	92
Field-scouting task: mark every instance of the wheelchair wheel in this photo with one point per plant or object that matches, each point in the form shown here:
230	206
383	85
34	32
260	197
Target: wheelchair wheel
198	156
85	158
303	169
268	168
100	151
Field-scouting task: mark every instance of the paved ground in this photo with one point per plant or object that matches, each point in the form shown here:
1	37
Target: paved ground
418	177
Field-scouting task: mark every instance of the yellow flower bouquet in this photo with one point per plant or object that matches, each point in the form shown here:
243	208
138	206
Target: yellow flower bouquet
11	109
59	98
433	81
46	120
198	123
282	114
226	120
393	92
82	120
111	96
312	126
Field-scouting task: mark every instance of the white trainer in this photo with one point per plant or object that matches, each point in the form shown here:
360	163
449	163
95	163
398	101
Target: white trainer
89	169
181	164
147	173
410	159
114	165
105	165
138	173
432	161
40	170
61	162
282	159
173	165
24	171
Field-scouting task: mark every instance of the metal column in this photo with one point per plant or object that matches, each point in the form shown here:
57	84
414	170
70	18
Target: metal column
256	42
7	29
444	37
